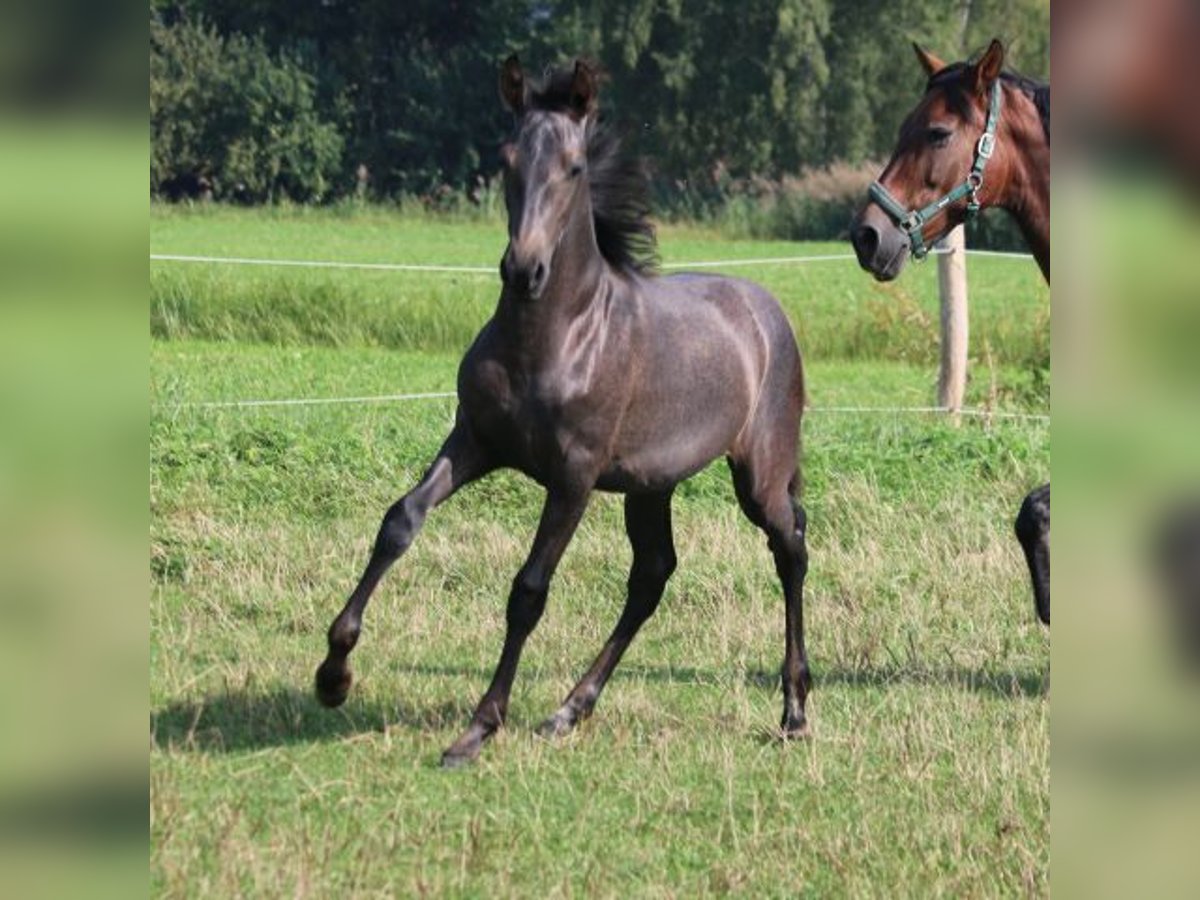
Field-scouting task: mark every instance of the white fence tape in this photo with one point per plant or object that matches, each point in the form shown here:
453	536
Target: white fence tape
323	264
975	412
494	270
313	401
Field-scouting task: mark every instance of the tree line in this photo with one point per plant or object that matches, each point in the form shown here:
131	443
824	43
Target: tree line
312	100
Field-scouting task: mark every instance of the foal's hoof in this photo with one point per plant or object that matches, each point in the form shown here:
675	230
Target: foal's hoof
333	683
795	731
459	759
556	726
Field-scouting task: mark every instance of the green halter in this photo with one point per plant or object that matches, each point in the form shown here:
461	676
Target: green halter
912	221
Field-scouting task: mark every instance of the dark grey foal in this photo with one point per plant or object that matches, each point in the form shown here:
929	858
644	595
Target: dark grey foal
596	374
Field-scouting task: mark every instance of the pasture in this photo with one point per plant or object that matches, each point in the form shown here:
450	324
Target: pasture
928	770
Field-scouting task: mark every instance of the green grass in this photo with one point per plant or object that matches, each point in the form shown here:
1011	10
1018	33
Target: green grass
928	770
929	765
838	312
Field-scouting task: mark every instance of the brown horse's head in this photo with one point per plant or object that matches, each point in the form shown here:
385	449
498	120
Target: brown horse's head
545	168
937	147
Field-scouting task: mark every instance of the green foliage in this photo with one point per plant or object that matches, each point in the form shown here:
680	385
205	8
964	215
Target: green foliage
732	86
227	113
707	90
878	80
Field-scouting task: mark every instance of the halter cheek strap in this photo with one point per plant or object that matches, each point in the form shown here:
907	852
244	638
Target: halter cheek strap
912	221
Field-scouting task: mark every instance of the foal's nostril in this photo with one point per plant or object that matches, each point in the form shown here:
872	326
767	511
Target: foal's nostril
528	278
865	239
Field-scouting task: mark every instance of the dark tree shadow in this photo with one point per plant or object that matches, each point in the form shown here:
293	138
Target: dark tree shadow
237	720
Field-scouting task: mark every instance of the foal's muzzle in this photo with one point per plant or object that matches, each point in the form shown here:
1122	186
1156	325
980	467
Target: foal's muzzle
524	276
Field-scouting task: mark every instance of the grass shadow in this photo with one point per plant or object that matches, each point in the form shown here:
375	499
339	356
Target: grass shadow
231	721
998	682
1002	683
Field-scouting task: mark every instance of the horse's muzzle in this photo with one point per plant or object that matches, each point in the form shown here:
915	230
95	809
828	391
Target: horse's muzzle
880	246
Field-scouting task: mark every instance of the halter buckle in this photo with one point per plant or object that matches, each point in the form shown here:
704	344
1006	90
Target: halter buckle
910	223
986	145
974	182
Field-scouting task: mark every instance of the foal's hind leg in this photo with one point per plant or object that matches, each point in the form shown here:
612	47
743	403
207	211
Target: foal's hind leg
769	503
648	524
459	461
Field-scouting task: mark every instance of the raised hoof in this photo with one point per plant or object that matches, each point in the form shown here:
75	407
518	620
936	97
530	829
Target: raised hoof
333	683
556	726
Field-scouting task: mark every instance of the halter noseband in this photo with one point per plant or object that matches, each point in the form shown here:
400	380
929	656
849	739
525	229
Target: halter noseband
912	221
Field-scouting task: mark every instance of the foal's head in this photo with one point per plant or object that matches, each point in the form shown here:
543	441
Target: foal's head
934	155
545	167
561	163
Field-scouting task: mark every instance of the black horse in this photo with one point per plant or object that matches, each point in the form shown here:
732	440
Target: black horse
596	374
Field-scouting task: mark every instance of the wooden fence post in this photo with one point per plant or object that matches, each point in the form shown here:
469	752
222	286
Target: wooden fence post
952	290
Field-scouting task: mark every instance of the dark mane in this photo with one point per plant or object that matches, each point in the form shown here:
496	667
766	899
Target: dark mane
618	182
620	203
1035	90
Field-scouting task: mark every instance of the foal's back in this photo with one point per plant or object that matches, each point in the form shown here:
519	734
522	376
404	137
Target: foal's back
704	354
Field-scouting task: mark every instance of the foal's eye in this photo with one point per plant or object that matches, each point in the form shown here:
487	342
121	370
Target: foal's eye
938	136
576	170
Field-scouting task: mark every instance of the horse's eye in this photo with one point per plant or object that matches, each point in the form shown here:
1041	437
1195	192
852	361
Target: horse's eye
937	135
576	170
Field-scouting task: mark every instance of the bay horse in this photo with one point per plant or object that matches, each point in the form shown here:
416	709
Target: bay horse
594	373
979	138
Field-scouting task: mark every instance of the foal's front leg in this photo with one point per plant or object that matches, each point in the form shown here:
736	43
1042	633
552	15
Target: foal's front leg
460	461
526	602
648	524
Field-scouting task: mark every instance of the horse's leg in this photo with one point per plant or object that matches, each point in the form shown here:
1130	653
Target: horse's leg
648	524
769	503
526	602
1033	532
459	461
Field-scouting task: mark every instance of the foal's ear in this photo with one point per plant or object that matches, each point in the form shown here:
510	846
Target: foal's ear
512	85
988	69
930	63
583	90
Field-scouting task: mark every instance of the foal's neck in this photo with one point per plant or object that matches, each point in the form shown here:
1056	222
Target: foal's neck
538	328
1027	192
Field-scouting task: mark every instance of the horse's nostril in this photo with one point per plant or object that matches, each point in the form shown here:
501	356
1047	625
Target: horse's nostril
539	274
866	242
